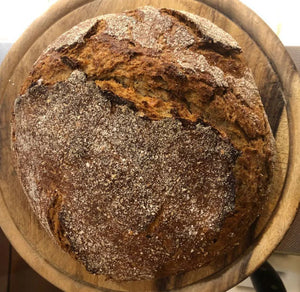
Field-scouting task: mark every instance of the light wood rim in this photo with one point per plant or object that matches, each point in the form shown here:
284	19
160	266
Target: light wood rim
291	196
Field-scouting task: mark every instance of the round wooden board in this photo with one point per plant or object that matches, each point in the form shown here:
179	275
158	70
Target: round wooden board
279	85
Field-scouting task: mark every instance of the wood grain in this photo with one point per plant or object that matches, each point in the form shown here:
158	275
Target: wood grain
279	85
23	278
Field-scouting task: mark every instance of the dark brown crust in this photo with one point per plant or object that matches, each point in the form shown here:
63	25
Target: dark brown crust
185	81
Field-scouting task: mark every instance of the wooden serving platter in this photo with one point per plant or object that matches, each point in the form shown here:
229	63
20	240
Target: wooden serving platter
279	85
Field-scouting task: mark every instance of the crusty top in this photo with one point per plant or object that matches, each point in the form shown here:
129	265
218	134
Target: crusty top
142	144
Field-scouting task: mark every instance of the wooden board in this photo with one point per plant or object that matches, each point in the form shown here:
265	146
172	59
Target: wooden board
16	275
23	278
279	85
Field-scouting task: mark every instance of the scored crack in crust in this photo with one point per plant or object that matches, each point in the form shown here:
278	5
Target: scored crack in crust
142	143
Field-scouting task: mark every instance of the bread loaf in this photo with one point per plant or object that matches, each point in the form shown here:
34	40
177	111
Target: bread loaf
142	143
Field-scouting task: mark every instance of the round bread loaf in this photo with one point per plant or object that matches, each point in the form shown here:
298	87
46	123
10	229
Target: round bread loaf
142	143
